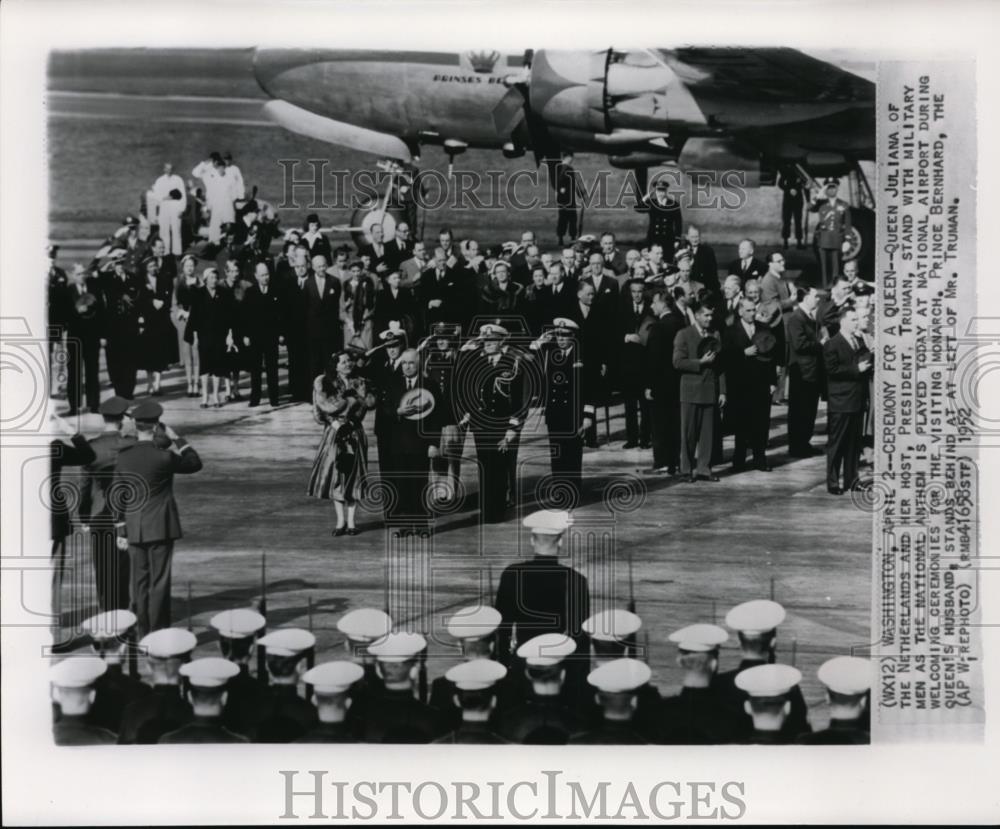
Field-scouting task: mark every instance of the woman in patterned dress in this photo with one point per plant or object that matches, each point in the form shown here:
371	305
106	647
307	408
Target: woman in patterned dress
340	471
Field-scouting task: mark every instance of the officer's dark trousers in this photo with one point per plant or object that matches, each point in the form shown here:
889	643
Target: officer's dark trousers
791	210
666	431
83	359
566	223
637	425
751	414
409	473
265	354
843	448
122	368
566	457
803	400
698	431
111	570
151	564
493	471
829	265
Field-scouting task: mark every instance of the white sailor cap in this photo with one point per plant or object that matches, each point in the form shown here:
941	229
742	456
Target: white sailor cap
768	680
366	624
849	675
238	623
611	625
333	677
619	676
548	522
287	641
109	625
757	616
398	647
210	671
564	324
546	649
475	622
393	332
491	330
168	642
77	672
700	637
476	675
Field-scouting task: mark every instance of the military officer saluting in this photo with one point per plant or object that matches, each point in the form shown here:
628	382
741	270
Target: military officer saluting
475	685
848	681
617	685
147	719
699	714
115	689
540	595
331	683
207	679
72	682
543	718
289	716
569	412
756	623
475	628
833	223
768	703
396	716
247	701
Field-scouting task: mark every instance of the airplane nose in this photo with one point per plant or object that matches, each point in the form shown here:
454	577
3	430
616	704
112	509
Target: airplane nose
275	69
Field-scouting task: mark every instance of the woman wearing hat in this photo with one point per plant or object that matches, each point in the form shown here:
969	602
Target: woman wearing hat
313	237
155	330
211	324
340	471
185	289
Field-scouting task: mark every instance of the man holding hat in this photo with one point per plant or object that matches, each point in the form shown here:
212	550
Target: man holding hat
475	685
540	595
148	718
84	321
109	634
396	716
617	684
72	682
768	690
120	290
663	384
756	623
441	365
848	681
490	383
289	715
635	323
247	701
207	680
543	718
475	628
144	479
331	683
833	223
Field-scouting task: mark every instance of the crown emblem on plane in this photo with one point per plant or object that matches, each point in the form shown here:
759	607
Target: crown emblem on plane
483	62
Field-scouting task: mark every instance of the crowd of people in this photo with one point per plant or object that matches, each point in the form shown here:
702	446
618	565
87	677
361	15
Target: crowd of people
536	667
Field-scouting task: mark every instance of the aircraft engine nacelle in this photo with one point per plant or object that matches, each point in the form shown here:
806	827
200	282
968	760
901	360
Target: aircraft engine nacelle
721	155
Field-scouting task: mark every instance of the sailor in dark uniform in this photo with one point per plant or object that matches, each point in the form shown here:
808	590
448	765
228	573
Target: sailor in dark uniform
543	718
207	680
756	623
148	718
115	689
331	683
665	219
569	413
848	681
768	689
475	691
698	715
72	683
246	695
290	716
617	684
396	716
490	382
362	627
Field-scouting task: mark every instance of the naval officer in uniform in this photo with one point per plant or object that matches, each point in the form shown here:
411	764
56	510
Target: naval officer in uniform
331	683
207	679
72	682
833	223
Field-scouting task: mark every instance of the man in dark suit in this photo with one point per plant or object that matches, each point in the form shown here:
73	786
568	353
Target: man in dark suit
376	251
746	265
399	248
121	330
602	279
635	318
792	198
778	296
294	314
413	439
560	293
805	374
749	378
831	307
702	391
448	290
566	191
144	479
704	268
663	385
322	317
84	321
263	308
848	362
596	332
614	259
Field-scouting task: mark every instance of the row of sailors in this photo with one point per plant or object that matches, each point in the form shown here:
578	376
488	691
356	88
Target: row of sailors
371	697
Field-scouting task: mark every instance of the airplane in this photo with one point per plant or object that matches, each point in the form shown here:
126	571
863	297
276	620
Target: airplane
752	110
